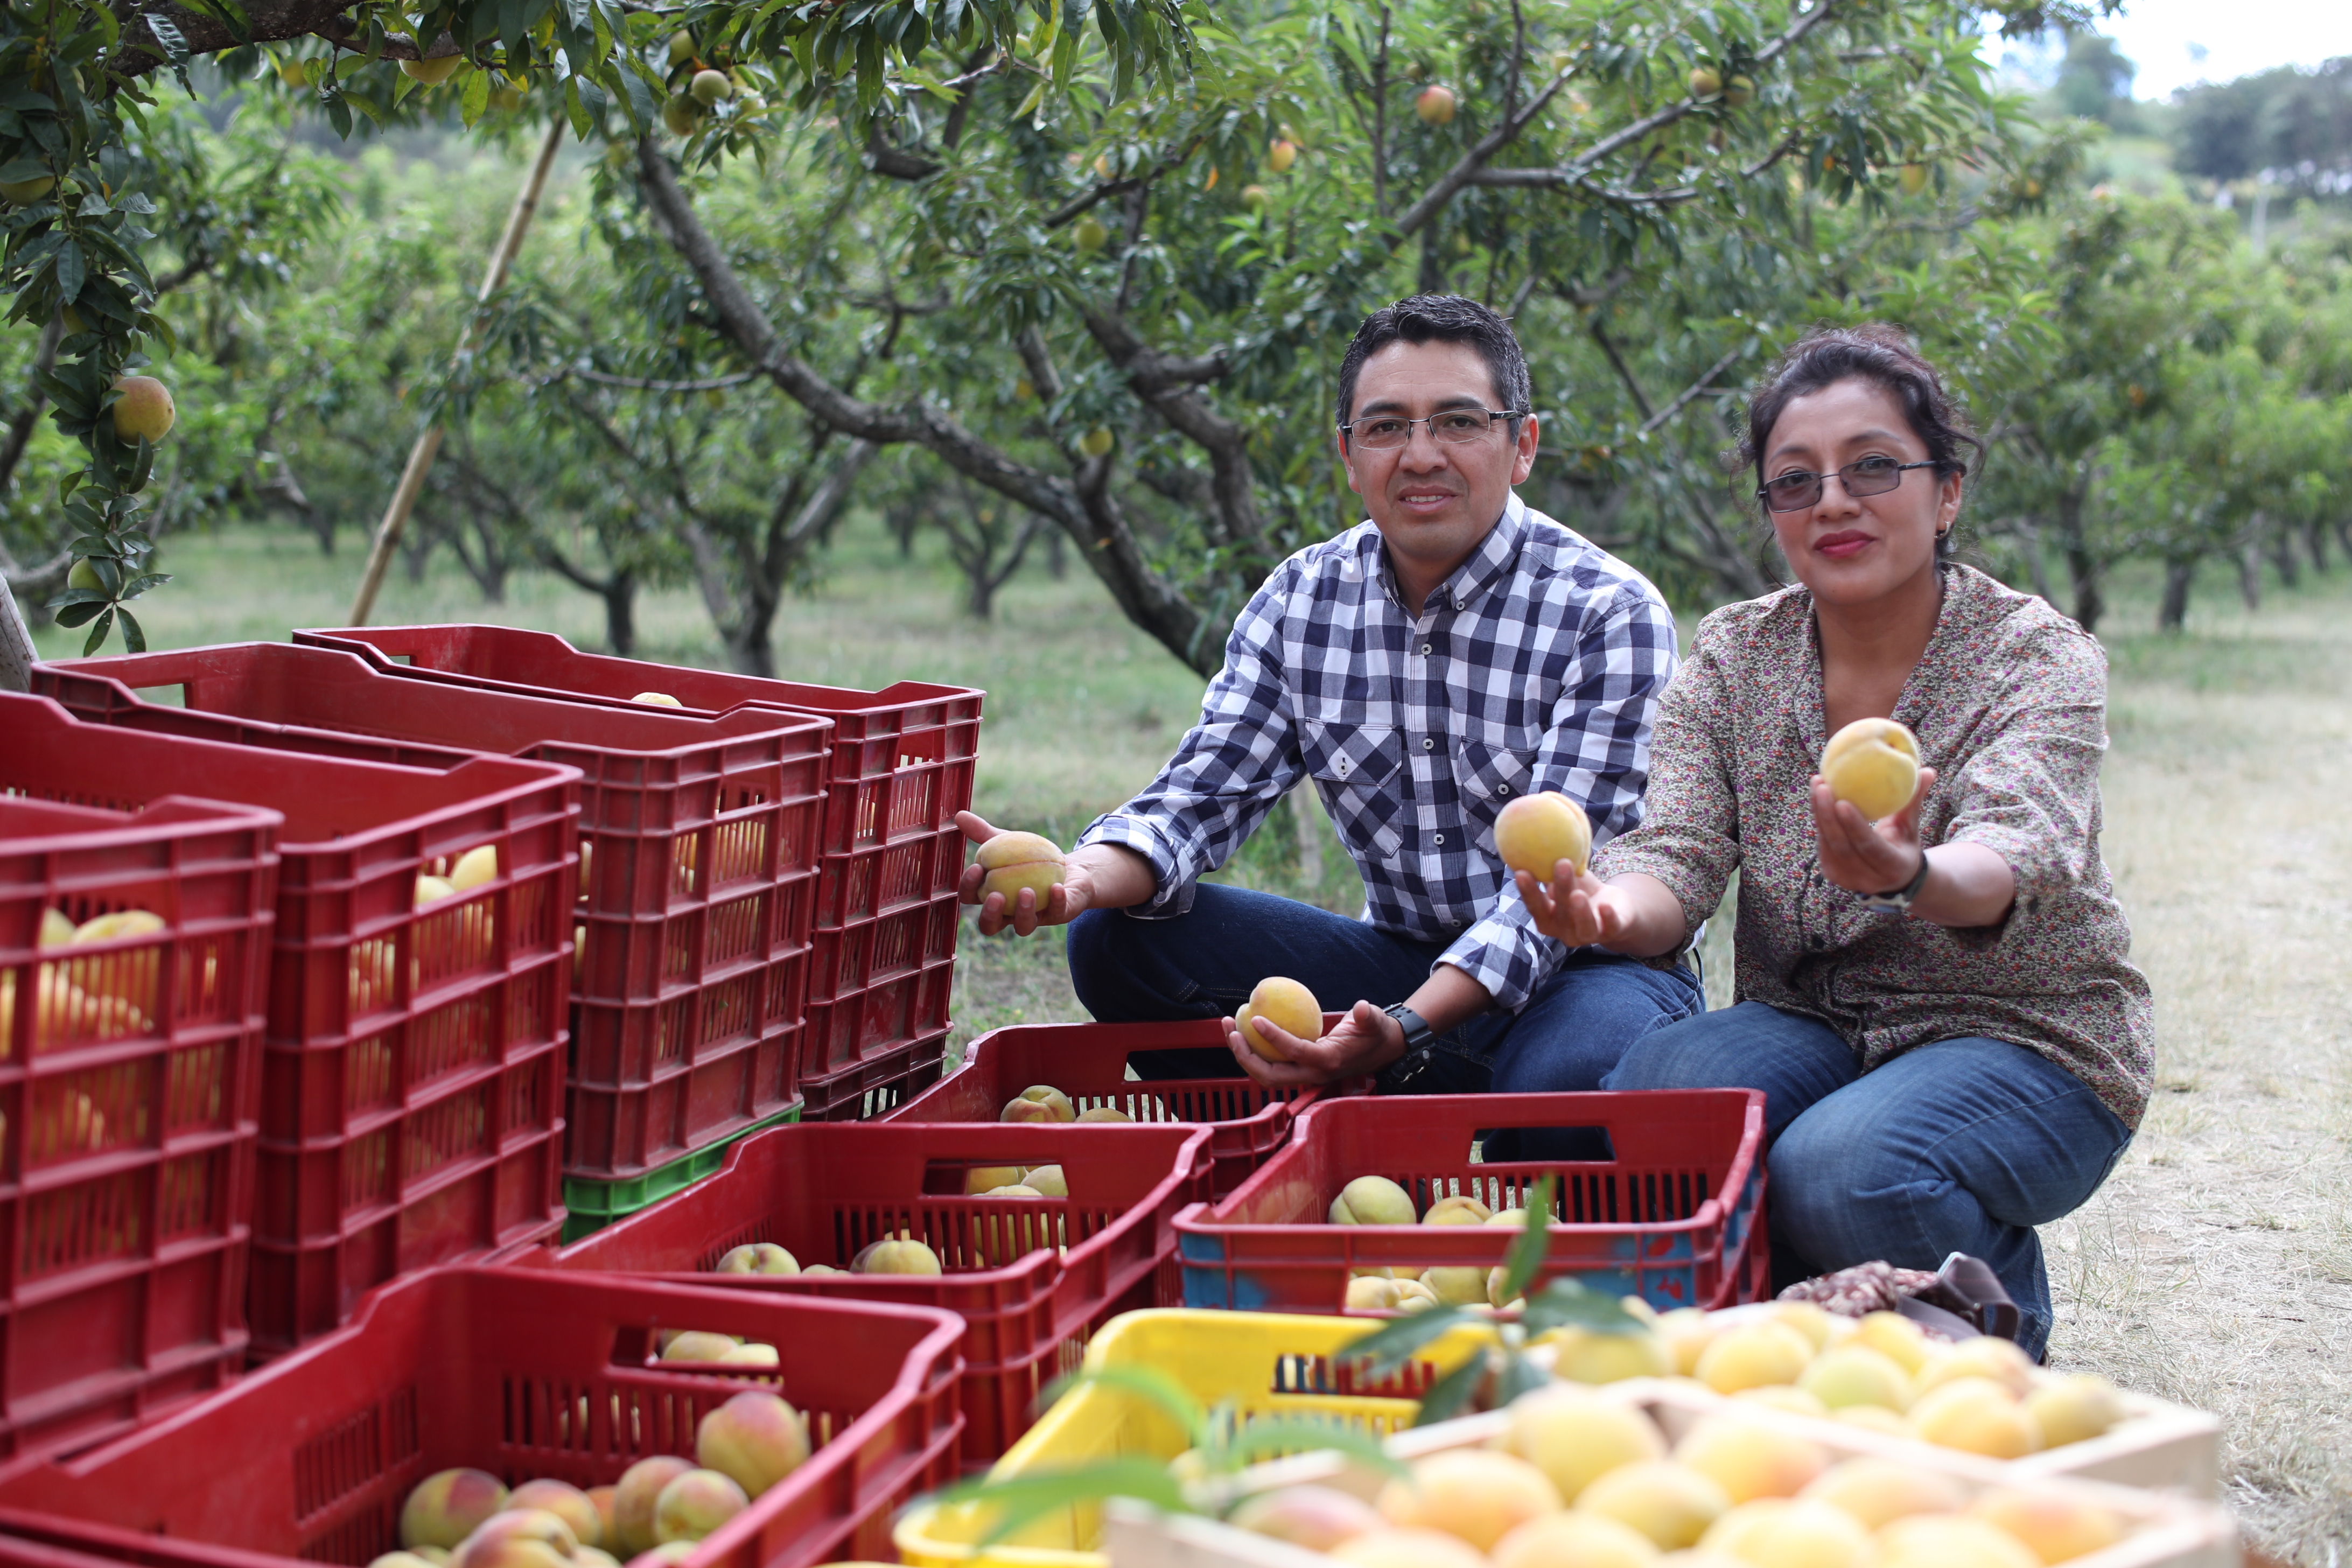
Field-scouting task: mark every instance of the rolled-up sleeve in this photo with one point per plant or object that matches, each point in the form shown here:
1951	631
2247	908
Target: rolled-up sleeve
1689	834
1597	753
1241	758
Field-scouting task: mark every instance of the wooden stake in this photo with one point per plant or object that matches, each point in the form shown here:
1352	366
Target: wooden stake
429	443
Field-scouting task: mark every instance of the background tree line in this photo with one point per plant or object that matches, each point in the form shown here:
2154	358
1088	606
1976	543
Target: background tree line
1099	322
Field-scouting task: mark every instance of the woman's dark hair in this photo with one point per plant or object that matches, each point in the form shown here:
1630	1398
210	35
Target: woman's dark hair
1876	352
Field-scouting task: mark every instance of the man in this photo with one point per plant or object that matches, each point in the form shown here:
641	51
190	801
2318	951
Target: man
1424	668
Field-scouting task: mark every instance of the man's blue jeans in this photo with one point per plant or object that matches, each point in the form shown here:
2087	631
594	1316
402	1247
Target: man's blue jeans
1962	1145
1205	963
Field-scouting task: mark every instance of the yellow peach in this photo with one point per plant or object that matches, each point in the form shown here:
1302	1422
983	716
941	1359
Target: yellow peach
1372	1200
1977	1416
1575	1540
1753	1356
1287	1005
1880	1491
1536	832
2054	1529
1575	1437
1749	1460
1470	1494
1671	1504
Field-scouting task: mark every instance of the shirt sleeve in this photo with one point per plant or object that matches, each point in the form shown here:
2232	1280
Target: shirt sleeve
1229	770
1689	837
1597	753
2030	792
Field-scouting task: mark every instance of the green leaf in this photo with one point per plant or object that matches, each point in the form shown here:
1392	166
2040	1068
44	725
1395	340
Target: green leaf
96	633
1017	1500
1568	1302
474	101
1390	1346
134	640
1451	1395
1534	1240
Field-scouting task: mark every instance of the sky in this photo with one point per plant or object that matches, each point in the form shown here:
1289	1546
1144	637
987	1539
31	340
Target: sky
2177	43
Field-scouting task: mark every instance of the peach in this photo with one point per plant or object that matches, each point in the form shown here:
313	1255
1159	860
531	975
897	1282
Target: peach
567	1502
1470	1494
1951	1541
1874	763
987	1178
446	1508
1808	1320
1874	1418
1977	1416
1687	1334
656	699
1880	1491
1896	1337
1372	1200
1407	1549
1575	1540
1671	1504
1285	1004
1105	1113
757	1257
695	1344
1317	1518
750	1353
1048	1180
475	866
901	1254
607	1536
1574	1436
2053	1528
2073	1409
1753	1356
755	1439
404	1560
1371	1293
1459	1209
633	1499
1038	1102
1748	1461
1536	832
1508	1219
57	928
1857	1374
1782	1396
668	1554
146	411
518	1538
1017	860
1777	1533
1983	1356
1463	1287
1585	1355
595	1557
696	1503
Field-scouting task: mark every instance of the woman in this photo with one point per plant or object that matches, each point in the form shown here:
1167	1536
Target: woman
1939	1009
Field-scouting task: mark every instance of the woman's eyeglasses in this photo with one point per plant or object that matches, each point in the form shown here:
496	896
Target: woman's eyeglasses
1455	428
1870	477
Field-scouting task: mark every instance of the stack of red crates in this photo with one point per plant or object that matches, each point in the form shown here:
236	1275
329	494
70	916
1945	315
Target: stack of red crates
410	1088
134	947
698	843
886	911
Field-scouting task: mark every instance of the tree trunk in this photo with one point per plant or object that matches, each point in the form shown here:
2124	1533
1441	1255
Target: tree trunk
2282	555
2174	611
2082	566
1057	566
2315	538
620	597
2249	576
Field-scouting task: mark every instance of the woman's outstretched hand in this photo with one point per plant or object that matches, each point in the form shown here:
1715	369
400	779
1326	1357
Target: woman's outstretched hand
1865	857
1579	909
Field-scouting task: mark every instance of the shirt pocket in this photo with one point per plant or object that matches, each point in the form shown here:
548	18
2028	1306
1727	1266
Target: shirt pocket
1491	777
1355	769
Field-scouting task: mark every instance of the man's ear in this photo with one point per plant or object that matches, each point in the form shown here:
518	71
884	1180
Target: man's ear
1523	462
1346	464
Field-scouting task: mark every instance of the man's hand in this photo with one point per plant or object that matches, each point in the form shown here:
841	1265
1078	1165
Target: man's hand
1579	910
1865	858
1064	903
1363	1042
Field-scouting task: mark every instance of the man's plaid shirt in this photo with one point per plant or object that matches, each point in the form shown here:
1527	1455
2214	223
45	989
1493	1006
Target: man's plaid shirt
1535	666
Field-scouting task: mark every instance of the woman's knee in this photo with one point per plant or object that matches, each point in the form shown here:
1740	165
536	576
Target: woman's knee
1699	1052
1843	1196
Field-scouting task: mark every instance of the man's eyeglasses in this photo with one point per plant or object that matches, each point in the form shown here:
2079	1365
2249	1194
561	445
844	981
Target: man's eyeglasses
1870	477
1455	428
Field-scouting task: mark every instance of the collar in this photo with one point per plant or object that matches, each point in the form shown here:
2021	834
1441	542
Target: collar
1494	559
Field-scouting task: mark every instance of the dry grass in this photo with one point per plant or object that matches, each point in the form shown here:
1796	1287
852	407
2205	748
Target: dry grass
2216	1266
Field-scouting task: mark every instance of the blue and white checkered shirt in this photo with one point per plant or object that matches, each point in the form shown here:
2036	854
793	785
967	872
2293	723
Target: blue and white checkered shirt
1535	666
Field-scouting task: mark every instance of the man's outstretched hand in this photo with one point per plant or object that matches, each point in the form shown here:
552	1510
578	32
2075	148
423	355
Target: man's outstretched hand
1069	898
1366	1040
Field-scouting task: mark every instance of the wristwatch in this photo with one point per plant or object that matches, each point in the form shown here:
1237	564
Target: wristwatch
1418	1035
1899	901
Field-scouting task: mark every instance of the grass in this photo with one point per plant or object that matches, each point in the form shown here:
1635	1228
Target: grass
2215	1266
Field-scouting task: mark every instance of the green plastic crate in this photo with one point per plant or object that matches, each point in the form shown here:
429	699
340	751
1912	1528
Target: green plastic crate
590	1206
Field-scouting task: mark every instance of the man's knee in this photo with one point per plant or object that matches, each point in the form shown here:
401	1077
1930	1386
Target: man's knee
1119	975
1581	1026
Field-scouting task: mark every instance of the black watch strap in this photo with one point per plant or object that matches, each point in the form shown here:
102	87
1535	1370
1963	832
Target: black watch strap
1899	901
1418	1035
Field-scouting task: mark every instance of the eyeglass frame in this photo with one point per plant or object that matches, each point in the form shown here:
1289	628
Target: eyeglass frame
1348	430
1764	491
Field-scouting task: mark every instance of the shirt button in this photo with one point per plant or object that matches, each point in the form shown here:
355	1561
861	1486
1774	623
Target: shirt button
1441	838
1502	789
1429	742
1424	648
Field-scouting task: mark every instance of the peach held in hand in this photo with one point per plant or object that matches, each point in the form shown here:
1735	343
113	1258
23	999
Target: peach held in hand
1536	832
1284	1003
1018	860
1874	765
447	1507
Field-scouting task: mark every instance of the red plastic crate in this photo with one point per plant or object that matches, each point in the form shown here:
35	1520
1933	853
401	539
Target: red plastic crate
1677	1217
128	1082
822	1192
688	991
873	1086
1088	1062
902	769
525	1374
412	1073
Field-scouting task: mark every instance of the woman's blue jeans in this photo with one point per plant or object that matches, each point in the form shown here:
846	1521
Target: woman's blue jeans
1961	1145
1205	963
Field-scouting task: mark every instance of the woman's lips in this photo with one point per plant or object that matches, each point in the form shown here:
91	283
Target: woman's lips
1842	545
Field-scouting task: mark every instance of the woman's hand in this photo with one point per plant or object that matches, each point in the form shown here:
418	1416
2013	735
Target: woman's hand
1366	1040
1579	909
1862	858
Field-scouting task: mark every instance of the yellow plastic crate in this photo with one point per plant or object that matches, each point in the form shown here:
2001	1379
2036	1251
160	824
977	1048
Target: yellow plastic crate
1256	1365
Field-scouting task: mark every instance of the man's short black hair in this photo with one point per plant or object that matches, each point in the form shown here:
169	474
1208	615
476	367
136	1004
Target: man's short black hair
1441	318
